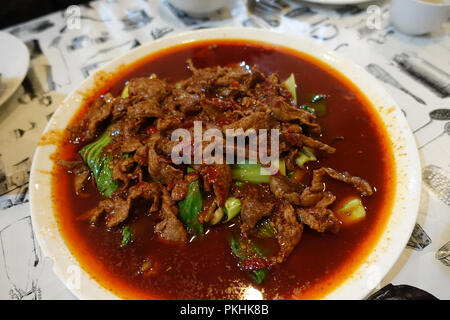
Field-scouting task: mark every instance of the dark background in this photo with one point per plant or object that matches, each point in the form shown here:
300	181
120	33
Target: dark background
16	11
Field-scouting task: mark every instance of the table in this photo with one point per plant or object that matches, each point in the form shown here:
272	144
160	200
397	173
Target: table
67	46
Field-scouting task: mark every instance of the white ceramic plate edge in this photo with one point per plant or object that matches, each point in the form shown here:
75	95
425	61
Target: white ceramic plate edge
379	261
21	60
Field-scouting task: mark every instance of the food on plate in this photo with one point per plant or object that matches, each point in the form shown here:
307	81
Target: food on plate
213	228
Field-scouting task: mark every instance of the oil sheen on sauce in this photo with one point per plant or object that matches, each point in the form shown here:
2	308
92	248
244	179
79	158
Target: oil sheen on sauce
207	269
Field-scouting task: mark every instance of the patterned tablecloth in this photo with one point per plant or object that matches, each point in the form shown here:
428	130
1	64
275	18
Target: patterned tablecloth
67	46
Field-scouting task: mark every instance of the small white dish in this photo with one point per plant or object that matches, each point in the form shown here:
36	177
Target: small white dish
198	8
378	262
14	63
417	17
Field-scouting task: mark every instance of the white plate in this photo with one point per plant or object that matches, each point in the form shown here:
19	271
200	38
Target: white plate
406	201
14	62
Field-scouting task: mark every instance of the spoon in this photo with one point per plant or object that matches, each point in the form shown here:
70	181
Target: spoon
438	181
438	114
446	131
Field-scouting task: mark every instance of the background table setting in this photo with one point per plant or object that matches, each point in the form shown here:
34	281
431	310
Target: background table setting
63	48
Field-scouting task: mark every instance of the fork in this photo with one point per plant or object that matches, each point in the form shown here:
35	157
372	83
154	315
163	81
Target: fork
268	10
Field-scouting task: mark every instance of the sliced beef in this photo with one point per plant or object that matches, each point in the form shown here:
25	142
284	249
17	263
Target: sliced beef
298	139
288	230
179	190
146	88
210	112
309	198
359	183
170	228
220	177
149	108
290	159
168	123
122	207
80	170
118	208
257	203
158	166
284	188
88	127
188	103
256	121
93	215
283	111
319	219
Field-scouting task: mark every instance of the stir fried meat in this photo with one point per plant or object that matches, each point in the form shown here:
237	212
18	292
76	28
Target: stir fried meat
136	158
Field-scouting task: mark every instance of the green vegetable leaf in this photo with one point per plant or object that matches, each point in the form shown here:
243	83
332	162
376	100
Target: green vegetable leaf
249	252
126	236
100	164
235	244
265	229
319	104
250	172
124	93
190	207
232	208
239	184
309	109
291	86
305	155
259	275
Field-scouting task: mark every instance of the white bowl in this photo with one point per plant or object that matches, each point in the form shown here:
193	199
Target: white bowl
417	17
378	262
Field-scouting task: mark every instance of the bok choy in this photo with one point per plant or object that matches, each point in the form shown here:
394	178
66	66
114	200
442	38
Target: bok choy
232	208
291	86
265	229
190	207
251	258
351	211
100	164
317	105
255	172
305	155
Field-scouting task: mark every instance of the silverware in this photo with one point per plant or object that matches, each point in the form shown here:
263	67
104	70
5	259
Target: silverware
300	12
382	75
135	19
443	254
431	76
446	131
419	239
438	181
438	114
266	6
268	10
